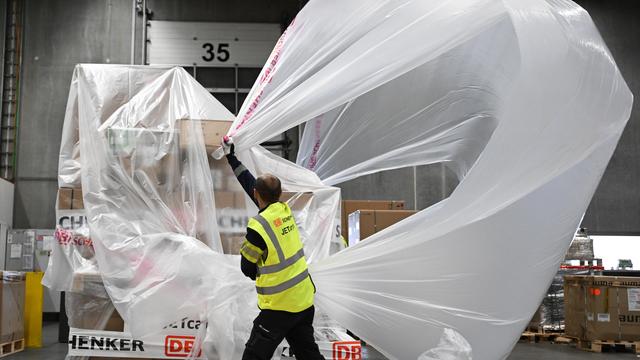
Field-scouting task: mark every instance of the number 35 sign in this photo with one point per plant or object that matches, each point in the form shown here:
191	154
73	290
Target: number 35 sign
222	55
211	44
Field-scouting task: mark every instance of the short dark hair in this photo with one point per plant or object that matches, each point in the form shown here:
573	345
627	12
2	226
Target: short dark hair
269	188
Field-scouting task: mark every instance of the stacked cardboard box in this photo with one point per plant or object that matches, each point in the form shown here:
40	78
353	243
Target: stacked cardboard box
70	199
364	223
350	206
602	307
89	305
12	306
212	132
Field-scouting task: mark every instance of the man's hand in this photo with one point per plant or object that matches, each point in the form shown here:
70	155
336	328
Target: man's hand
227	146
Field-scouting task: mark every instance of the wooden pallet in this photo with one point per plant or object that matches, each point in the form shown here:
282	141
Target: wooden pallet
564	339
535	337
11	347
608	345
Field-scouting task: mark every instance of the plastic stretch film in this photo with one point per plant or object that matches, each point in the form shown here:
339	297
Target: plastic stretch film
161	211
521	98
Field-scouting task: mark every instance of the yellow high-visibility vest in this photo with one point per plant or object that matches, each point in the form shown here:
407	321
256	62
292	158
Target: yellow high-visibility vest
283	281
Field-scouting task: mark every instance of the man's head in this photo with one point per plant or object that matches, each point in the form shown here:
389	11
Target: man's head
267	190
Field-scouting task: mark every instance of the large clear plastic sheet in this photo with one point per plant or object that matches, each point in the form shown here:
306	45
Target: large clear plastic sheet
521	98
71	256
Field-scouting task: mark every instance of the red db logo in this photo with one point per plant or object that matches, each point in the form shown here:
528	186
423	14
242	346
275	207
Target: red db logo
347	350
179	346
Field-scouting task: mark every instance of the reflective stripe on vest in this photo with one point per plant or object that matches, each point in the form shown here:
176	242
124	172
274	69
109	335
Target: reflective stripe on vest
283	282
284	286
250	251
270	269
283	264
267	228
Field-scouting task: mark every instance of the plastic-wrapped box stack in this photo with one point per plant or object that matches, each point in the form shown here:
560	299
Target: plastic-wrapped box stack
12	287
581	247
187	191
551	311
550	316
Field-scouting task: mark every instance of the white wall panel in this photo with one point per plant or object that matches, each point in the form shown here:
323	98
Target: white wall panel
211	44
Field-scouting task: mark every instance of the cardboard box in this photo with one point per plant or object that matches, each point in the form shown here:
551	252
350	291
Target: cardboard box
602	307
297	201
77	202
364	223
95	311
11	306
70	198
225	199
223	176
65	196
349	206
92	313
212	132
231	243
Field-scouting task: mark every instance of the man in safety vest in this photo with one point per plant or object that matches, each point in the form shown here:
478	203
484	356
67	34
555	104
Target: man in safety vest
272	255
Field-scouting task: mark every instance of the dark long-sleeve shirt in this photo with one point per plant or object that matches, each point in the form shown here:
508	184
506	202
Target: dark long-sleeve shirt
248	183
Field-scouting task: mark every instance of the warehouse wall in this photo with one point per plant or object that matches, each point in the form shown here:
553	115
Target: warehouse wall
61	33
615	208
6	203
58	35
224	10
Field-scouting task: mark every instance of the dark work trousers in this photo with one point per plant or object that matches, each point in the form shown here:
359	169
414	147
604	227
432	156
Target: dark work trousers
271	326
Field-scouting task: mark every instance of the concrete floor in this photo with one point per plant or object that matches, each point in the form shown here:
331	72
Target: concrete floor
52	350
526	351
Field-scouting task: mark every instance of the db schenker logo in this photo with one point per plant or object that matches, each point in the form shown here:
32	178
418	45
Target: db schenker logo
347	350
179	346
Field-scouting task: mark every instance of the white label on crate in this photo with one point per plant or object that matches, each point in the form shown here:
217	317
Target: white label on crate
16	251
604	317
634	299
164	345
589	316
47	243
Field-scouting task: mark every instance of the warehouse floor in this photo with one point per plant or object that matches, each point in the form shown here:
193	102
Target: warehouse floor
52	350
